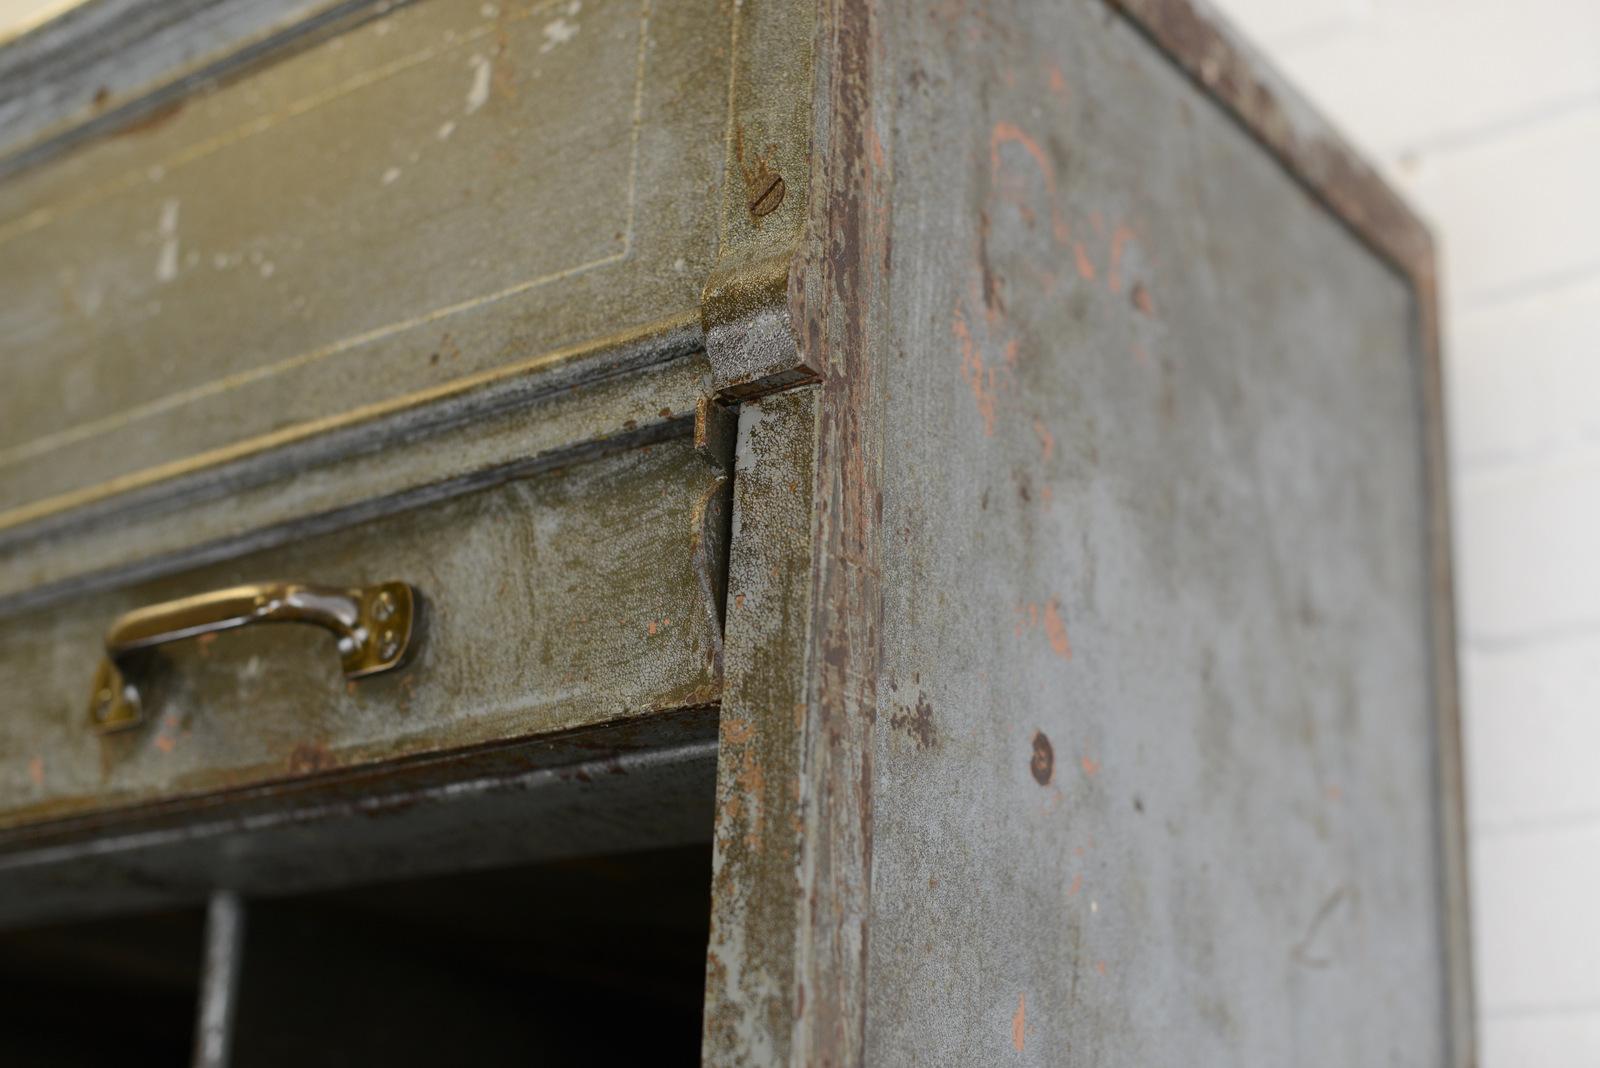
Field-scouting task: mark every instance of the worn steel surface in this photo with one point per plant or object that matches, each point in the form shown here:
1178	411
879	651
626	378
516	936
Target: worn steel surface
528	425
219	980
439	192
638	785
1125	711
1209	51
766	827
570	598
1154	747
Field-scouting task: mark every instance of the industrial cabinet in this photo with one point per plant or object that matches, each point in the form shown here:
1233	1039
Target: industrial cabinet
804	532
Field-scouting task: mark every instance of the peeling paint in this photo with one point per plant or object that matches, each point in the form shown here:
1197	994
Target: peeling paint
167	230
478	93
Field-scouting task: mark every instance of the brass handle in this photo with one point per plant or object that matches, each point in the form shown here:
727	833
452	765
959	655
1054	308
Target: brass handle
371	626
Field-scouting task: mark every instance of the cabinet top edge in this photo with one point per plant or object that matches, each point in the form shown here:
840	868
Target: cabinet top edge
1221	62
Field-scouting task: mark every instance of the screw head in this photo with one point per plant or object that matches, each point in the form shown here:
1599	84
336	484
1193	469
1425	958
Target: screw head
383	606
388	645
767	200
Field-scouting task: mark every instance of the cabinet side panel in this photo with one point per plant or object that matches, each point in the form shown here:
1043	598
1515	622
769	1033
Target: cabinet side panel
1154	772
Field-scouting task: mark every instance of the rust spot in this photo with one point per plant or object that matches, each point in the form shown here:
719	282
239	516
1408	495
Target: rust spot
1077	885
1043	762
1141	299
36	770
308	757
918	723
1091	766
1047	440
1056	631
979	378
1019	1023
1081	258
150	120
165	742
1119	238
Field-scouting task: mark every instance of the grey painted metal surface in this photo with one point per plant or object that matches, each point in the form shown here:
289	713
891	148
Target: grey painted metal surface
1122	686
1154	746
549	603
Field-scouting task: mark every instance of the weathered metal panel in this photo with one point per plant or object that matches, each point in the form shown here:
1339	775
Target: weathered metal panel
563	600
1154	750
766	825
443	191
644	784
550	419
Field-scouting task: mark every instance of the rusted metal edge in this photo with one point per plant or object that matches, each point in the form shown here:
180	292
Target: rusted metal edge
1202	45
838	300
372	787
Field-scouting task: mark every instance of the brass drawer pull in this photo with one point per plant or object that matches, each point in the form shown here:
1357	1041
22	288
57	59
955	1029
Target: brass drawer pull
370	624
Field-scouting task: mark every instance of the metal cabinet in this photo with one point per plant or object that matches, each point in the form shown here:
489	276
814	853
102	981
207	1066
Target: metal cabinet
938	508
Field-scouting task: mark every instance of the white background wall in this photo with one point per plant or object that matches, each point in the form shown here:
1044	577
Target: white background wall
1486	115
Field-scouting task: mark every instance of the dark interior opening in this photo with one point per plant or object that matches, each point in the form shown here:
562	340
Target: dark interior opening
595	960
111	991
598	960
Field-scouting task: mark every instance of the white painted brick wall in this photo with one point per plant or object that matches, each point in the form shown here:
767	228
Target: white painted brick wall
1486	114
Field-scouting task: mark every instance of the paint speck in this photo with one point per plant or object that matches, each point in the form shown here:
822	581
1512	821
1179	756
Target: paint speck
1043	761
167	260
1141	299
1100	966
267	268
1019	1023
1056	631
1094	906
391	175
680	265
651	626
1077	885
445	131
1091	767
165	742
1047	440
558	31
478	94
1081	258
36	770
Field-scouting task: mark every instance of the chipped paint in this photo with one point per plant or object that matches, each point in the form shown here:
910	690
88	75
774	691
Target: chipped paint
478	91
167	231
